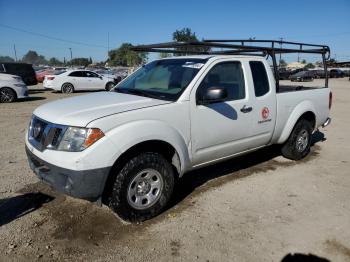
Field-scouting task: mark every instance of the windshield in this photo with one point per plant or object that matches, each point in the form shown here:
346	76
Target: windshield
162	79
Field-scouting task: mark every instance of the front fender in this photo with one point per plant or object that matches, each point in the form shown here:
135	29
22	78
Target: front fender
132	133
298	111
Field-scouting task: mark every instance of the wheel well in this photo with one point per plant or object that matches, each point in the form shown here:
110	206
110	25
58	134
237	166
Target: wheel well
158	146
14	91
309	116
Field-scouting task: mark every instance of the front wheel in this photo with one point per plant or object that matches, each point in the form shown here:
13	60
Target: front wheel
7	95
142	188
109	86
299	141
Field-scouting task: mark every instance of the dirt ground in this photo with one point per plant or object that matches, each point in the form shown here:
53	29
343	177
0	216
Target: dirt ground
259	207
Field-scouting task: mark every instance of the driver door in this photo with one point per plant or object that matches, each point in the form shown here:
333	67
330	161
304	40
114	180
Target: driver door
94	81
221	129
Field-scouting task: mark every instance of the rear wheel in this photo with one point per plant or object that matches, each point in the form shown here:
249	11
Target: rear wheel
67	88
299	141
142	188
7	95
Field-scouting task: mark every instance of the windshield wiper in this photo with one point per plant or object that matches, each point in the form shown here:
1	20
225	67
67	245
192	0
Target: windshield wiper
136	92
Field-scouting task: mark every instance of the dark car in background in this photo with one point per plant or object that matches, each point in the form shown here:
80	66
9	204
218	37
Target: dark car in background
336	73
302	76
318	73
285	74
23	70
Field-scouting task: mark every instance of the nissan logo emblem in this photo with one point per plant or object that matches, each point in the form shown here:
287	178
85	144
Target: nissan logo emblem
36	130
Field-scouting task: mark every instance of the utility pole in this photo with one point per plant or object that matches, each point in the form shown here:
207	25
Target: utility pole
107	45
71	55
14	48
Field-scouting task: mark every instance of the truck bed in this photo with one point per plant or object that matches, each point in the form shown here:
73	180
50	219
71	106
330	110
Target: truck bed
293	101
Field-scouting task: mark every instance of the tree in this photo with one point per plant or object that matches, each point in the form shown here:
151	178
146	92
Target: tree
55	62
303	61
6	59
90	60
186	35
283	63
309	66
79	61
32	57
124	56
164	55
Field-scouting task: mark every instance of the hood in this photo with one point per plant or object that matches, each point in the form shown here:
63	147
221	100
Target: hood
80	110
9	77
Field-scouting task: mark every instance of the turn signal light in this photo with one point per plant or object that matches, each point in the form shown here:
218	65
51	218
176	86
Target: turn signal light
93	135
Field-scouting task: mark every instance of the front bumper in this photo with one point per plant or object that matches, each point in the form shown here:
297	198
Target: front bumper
22	92
84	184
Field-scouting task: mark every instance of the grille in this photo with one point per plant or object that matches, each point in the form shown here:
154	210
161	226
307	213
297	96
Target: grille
56	137
43	134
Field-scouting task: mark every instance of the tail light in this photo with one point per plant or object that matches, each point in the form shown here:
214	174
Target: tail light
330	100
50	77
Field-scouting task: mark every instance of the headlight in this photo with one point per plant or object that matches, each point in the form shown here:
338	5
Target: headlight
17	78
20	85
77	138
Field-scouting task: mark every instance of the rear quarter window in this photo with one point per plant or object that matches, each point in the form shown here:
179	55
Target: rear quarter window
76	73
259	74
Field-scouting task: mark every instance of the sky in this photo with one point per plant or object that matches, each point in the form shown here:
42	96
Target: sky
85	25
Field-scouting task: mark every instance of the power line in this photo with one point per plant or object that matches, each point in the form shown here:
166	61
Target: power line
51	37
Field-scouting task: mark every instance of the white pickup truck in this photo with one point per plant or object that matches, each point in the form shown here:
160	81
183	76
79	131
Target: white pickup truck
126	147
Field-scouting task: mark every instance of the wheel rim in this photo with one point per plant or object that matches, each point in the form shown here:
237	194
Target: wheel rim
6	95
67	88
110	86
302	140
145	189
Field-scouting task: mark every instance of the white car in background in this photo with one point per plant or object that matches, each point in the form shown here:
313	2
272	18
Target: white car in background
11	88
76	80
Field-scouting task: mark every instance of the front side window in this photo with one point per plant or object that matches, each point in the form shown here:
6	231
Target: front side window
2	69
164	79
90	74
261	82
228	75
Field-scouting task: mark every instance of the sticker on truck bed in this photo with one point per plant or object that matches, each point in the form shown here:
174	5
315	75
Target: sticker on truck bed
265	113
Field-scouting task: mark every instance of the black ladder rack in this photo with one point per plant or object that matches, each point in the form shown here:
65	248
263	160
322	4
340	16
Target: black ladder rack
239	47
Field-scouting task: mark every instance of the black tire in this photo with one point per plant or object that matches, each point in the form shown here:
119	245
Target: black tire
109	86
67	88
294	148
119	200
7	95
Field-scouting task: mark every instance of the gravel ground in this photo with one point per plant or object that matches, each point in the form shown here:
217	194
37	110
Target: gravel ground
259	207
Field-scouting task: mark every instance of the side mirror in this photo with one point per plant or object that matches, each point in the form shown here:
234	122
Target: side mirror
214	95
100	77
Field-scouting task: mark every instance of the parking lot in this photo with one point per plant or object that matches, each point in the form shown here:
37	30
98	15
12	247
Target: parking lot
259	207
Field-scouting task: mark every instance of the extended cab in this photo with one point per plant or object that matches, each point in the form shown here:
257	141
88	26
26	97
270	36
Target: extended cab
173	115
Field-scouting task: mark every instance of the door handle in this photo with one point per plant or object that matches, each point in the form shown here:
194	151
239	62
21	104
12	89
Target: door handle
246	109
